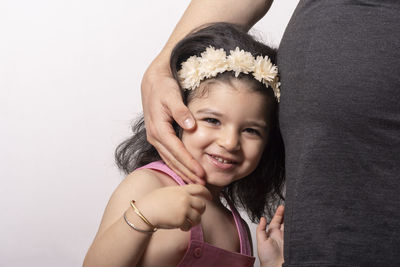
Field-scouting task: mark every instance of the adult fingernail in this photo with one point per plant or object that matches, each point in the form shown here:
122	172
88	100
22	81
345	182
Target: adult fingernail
189	123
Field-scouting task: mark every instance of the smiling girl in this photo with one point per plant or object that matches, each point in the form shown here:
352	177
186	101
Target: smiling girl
230	84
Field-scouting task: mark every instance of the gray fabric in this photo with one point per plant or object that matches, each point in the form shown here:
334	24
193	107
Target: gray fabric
340	118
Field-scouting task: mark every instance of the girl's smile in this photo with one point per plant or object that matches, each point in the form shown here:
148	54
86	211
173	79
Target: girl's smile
231	132
221	162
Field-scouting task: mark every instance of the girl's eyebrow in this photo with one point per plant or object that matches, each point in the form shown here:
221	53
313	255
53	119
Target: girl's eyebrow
258	123
210	111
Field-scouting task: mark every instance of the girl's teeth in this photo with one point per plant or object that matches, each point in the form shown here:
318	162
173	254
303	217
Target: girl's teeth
221	160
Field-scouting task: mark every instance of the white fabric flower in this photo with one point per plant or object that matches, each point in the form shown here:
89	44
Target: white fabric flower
189	75
213	61
264	70
240	61
275	84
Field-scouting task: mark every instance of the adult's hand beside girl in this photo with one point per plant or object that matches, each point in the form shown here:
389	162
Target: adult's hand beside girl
162	104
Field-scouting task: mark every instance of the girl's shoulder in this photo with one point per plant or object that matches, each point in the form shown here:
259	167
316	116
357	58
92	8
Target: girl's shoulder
148	175
146	180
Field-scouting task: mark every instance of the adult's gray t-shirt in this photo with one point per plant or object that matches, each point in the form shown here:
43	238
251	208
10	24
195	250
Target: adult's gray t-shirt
339	62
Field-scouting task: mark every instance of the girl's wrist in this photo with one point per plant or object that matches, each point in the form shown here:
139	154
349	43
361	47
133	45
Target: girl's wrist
146	211
133	219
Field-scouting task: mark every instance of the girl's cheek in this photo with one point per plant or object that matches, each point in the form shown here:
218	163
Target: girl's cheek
256	149
197	136
202	132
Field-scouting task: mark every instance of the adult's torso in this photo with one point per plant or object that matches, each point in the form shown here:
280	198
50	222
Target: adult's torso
340	119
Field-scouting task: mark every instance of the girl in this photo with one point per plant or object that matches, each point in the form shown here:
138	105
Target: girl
230	84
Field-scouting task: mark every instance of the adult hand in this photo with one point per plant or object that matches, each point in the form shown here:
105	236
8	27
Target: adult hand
270	243
175	206
162	104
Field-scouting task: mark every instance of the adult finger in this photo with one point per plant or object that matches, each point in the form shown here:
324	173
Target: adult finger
181	114
180	169
175	109
171	149
164	128
162	103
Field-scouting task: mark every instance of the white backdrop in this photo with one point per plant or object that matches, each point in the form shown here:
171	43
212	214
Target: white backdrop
70	73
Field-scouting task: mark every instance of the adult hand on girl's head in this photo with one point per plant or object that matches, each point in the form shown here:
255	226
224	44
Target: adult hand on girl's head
175	206
270	243
162	104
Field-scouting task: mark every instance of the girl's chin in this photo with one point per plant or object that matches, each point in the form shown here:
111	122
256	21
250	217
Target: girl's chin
218	180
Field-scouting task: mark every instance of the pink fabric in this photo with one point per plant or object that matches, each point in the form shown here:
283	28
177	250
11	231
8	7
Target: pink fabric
200	253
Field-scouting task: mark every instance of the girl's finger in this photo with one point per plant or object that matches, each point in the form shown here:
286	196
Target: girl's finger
193	216
277	220
198	191
261	233
187	225
198	204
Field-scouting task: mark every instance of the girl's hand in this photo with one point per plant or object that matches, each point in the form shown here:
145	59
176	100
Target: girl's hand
270	243
162	104
175	206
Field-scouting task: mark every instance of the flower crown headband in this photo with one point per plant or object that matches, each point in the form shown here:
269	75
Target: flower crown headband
214	61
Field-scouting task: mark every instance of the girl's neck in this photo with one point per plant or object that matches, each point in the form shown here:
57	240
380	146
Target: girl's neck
215	192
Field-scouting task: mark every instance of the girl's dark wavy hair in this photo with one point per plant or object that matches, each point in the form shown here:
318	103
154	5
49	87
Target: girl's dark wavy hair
258	193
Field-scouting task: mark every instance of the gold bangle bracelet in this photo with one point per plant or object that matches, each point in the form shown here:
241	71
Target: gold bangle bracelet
137	229
137	211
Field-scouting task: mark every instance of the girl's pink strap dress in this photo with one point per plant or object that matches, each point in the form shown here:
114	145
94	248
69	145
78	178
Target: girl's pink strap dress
200	253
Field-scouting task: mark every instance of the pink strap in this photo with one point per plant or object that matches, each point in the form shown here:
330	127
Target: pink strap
245	247
161	166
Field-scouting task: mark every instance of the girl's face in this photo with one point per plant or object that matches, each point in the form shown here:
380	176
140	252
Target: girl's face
231	132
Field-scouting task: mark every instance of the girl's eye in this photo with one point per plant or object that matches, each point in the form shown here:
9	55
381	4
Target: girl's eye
212	121
252	131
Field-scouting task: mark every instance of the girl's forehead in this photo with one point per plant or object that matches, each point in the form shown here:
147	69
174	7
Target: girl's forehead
225	86
229	98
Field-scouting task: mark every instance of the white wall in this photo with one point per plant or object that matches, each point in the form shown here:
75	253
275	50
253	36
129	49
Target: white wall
70	75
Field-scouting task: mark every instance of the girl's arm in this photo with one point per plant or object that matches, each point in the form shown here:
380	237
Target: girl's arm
270	243
161	99
116	243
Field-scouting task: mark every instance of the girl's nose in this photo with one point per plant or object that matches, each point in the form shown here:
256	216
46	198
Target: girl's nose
229	139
